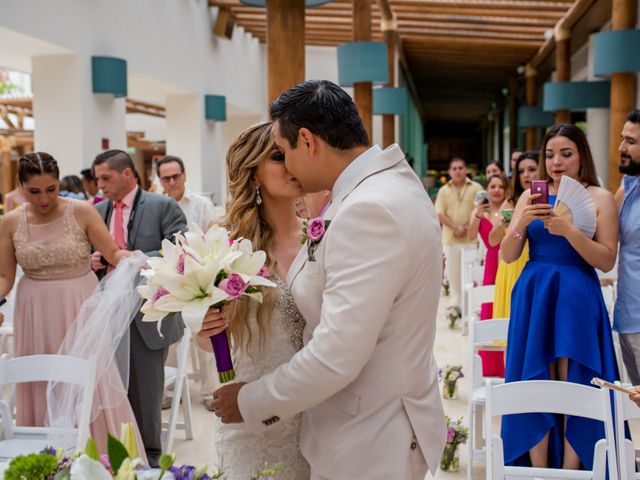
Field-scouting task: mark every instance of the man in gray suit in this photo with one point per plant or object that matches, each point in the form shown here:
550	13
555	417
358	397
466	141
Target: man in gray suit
140	220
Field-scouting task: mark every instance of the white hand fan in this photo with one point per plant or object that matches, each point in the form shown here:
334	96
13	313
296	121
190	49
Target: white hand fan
575	203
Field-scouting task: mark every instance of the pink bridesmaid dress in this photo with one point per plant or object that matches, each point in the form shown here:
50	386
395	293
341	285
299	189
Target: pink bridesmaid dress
492	362
57	280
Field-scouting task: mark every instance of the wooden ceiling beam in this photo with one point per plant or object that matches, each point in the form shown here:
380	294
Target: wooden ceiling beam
552	5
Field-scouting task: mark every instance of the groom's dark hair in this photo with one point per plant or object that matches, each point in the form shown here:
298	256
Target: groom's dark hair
325	109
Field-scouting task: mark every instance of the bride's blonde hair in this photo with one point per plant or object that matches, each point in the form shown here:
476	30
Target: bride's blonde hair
243	219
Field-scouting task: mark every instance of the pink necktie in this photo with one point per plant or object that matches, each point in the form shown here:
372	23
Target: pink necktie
118	226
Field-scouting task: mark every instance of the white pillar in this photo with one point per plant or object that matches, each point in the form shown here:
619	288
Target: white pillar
192	138
70	120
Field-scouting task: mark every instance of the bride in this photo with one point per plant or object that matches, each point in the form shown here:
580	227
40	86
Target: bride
261	208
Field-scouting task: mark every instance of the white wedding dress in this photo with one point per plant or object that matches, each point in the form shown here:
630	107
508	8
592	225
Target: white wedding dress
242	453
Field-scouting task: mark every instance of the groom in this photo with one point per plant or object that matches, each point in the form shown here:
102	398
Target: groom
368	289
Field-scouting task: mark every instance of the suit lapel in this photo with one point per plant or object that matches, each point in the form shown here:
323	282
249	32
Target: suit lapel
134	222
297	266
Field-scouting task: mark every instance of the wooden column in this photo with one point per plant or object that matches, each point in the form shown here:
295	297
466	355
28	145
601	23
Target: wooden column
532	100
513	114
363	91
5	167
623	90
285	45
389	121
563	66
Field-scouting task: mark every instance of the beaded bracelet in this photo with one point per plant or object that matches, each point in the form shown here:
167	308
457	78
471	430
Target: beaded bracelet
517	234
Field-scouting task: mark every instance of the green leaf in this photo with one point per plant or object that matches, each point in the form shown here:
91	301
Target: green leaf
91	449
116	451
63	475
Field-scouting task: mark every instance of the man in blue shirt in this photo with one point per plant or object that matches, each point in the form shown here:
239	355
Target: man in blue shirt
627	309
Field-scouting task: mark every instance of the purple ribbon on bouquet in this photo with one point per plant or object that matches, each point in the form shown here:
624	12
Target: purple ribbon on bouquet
222	352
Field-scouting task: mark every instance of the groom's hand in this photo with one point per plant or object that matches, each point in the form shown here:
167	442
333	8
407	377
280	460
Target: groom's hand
225	403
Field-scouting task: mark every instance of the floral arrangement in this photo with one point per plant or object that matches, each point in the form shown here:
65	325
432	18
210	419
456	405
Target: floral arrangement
445	287
456	435
199	271
120	463
453	315
449	378
312	232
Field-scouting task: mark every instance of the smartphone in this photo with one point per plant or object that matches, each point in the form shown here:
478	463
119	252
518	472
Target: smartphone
482	198
541	187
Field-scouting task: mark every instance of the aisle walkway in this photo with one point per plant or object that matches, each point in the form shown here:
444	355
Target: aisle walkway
450	349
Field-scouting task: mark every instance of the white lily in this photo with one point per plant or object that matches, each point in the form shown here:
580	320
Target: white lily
85	468
192	293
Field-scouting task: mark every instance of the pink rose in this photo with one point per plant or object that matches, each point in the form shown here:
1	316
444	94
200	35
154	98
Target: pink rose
264	272
180	264
315	229
161	292
451	435
233	285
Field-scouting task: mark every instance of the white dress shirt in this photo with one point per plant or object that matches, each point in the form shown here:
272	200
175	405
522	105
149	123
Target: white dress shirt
198	210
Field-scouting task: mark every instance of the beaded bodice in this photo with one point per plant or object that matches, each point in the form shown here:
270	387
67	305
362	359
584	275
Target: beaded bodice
283	339
55	250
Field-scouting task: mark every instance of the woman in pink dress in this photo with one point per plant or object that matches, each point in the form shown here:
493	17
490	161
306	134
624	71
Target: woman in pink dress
51	238
483	218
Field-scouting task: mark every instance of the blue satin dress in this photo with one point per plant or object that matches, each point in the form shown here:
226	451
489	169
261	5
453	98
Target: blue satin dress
557	311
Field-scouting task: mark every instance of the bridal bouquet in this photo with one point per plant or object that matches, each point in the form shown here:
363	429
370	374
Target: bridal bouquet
199	271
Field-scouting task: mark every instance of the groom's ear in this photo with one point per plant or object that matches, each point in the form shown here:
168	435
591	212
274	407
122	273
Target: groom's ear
307	140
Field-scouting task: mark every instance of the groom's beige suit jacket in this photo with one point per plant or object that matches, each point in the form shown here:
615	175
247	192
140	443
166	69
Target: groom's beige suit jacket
366	378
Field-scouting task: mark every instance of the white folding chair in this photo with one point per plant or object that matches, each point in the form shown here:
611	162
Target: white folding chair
483	332
177	377
37	368
625	410
545	396
474	279
468	257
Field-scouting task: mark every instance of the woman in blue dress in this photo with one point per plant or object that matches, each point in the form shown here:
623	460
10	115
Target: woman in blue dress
559	327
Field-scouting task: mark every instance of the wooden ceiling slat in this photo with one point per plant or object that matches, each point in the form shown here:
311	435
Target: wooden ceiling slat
459	52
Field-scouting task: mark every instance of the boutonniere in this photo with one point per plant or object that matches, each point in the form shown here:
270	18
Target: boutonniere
312	232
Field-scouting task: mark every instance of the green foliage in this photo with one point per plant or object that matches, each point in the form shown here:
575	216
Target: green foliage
9	87
117	452
269	471
36	466
91	449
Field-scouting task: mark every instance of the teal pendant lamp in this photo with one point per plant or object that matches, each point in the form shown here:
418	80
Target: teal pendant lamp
109	75
534	117
616	51
362	62
576	95
215	107
390	101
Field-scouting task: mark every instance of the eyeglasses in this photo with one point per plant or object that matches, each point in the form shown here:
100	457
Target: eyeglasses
168	178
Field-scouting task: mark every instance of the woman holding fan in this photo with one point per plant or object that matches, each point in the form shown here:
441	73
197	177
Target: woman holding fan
559	328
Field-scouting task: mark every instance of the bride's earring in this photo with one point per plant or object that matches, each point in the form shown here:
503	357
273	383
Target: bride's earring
258	197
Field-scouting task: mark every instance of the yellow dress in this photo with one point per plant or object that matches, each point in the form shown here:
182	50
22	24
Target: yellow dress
506	278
